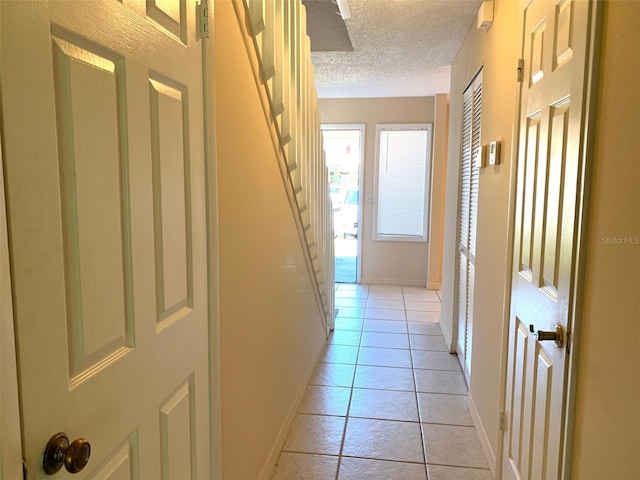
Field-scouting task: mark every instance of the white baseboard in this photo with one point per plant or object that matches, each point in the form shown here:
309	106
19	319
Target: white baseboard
482	435
272	459
448	337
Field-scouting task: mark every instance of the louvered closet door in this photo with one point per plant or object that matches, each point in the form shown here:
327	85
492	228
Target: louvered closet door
467	218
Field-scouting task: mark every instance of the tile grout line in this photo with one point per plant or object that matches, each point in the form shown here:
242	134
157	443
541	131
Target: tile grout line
415	385
353	380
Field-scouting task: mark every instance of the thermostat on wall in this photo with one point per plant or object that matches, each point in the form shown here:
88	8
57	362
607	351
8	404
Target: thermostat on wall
494	153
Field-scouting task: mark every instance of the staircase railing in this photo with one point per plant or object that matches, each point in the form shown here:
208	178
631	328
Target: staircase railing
281	59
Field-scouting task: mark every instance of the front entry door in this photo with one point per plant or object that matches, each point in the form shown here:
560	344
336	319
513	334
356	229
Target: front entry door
548	210
103	125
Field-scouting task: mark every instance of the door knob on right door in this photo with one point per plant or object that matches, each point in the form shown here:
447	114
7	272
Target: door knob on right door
557	335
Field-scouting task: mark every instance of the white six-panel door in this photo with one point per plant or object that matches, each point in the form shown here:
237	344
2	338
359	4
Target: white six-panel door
103	119
548	205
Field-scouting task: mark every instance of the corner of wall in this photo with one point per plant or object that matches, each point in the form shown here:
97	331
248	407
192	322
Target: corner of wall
482	435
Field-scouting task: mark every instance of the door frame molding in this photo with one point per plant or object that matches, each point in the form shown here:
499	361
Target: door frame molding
211	193
591	81
573	321
10	429
363	128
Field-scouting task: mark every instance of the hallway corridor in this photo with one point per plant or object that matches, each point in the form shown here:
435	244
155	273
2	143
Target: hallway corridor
386	400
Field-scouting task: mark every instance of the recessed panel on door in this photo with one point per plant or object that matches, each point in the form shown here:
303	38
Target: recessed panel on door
122	463
528	210
170	15
94	203
177	429
518	396
553	201
563	41
171	199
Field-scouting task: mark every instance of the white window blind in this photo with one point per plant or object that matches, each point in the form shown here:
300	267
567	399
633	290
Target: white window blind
404	154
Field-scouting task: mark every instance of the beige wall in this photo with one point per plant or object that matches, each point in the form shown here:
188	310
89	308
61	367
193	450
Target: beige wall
607	422
495	51
270	325
383	262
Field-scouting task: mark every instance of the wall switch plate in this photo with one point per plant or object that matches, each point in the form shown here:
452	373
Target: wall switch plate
494	153
481	156
368	199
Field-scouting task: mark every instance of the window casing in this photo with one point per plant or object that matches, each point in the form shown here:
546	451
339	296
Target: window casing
403	181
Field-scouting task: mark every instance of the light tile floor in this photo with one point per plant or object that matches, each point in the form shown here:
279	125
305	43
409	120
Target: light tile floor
386	401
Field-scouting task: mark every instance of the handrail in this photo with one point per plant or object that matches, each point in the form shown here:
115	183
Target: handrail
280	56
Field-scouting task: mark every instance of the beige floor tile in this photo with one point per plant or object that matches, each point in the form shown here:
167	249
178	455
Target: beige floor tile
384	357
393	304
384	314
345	337
424	359
424	328
422	306
353	302
384	378
440	472
428	342
413	316
385	293
389	326
423	296
362	468
315	434
439	381
298	466
383	439
339	354
408	289
385	289
351	312
453	445
385	340
384	405
444	409
387	346
324	400
345	293
333	374
349	323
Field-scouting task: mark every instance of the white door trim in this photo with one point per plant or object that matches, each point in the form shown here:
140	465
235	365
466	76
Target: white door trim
211	192
591	78
11	443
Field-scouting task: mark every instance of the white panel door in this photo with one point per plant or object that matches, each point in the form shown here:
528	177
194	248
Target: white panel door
102	110
550	172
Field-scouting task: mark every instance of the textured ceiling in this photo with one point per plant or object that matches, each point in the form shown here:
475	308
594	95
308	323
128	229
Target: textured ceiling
401	48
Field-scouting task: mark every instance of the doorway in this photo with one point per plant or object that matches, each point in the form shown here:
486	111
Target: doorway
343	146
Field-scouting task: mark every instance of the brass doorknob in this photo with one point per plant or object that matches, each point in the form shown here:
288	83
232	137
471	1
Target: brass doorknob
557	335
58	453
